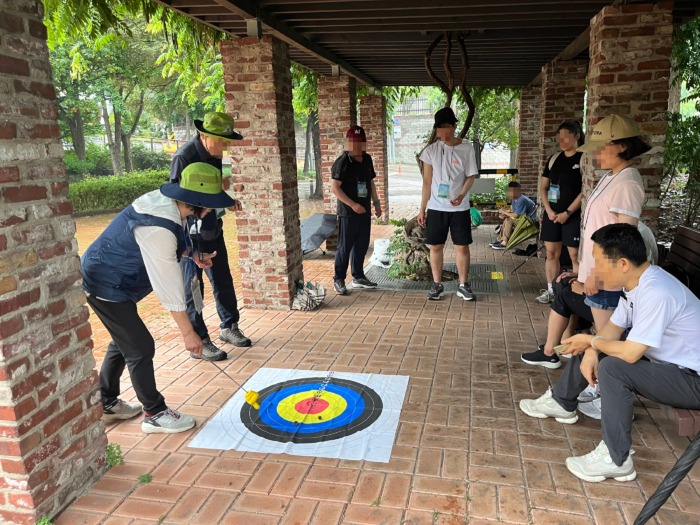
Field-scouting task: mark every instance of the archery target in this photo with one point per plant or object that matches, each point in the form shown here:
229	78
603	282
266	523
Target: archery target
303	412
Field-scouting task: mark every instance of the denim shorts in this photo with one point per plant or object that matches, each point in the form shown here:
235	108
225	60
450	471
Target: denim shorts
604	300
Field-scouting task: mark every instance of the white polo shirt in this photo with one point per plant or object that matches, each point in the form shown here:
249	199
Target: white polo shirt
451	165
664	315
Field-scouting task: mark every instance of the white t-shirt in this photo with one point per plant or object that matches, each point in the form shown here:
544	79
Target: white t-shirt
664	315
451	165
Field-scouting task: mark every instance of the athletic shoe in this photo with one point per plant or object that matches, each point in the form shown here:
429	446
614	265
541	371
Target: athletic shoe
210	352
545	297
539	358
339	287
597	466
121	410
234	336
531	249
591	408
437	290
465	292
589	394
363	282
167	422
498	246
545	406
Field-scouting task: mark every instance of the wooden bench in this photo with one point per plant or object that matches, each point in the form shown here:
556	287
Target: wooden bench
682	261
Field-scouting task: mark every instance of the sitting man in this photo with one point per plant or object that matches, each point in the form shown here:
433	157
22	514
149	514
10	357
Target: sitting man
521	205
659	358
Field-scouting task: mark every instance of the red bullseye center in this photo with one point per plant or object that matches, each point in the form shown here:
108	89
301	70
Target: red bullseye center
312	405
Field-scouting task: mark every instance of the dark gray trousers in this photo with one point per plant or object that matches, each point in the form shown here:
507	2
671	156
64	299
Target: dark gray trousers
619	383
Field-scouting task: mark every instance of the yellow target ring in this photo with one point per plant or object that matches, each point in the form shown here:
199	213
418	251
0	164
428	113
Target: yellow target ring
287	410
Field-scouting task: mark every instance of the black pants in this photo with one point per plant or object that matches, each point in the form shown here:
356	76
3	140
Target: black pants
619	383
132	346
353	242
221	286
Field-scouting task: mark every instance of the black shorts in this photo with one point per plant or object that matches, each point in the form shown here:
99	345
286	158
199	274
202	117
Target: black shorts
569	233
567	303
458	223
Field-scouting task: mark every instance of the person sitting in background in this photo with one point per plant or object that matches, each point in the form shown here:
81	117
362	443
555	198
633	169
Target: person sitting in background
659	359
521	205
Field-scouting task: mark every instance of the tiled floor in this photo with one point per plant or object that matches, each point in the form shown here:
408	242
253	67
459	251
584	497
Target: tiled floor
464	453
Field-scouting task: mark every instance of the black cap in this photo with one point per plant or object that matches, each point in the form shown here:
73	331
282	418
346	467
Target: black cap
444	116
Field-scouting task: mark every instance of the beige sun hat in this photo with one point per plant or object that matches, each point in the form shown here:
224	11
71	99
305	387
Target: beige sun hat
612	127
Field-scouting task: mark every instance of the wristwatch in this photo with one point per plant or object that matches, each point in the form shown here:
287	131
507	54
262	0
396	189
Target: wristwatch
377	203
568	212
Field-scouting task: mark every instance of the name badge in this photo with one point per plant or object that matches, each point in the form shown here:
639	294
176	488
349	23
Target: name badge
362	189
553	194
444	191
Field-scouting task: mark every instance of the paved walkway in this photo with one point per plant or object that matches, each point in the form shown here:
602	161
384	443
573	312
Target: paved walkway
464	453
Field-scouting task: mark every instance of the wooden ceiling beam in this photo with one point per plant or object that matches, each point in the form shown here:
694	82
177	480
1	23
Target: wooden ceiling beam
574	49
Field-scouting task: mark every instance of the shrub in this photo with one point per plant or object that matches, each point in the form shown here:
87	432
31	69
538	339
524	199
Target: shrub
114	192
76	168
99	155
145	159
498	196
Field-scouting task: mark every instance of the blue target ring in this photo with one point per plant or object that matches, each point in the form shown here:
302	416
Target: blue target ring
364	406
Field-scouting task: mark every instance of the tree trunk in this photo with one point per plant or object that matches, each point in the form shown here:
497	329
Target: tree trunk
478	146
318	191
126	137
308	147
77	133
114	149
188	127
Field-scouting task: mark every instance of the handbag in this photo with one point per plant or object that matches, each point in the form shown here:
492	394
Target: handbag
308	296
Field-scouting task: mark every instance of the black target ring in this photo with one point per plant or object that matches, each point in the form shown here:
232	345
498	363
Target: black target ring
367	405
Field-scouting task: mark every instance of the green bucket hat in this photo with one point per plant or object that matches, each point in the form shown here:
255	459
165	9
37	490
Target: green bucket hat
200	185
218	125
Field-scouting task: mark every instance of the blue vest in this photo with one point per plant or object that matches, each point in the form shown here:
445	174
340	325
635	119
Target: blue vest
113	268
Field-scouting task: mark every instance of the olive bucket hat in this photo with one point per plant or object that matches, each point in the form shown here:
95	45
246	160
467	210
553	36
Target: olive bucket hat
200	185
218	125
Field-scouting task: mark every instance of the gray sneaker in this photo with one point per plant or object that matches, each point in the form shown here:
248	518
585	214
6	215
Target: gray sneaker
210	352
234	336
167	422
465	292
363	282
545	297
121	410
437	290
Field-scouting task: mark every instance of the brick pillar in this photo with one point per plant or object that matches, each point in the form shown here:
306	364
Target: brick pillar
52	443
337	111
529	130
259	89
629	73
373	120
563	90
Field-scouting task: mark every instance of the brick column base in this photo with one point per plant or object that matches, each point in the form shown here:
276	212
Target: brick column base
373	120
337	111
630	71
259	88
52	442
529	130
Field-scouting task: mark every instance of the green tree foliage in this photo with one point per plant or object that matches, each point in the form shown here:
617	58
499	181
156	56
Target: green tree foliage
681	153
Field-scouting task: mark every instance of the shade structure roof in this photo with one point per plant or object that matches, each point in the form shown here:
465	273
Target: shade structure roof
383	42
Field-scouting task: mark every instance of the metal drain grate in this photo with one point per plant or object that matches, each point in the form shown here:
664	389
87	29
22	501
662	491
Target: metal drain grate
479	277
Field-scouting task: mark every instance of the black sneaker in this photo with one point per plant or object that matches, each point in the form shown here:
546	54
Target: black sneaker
339	287
465	292
539	358
363	282
437	290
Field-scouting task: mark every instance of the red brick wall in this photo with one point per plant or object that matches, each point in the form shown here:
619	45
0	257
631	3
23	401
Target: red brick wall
52	443
373	120
529	129
629	73
259	90
563	90
337	111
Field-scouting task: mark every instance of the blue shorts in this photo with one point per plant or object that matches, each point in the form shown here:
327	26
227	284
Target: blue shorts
604	300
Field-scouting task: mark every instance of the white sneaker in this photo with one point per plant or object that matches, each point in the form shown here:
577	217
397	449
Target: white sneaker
121	410
597	466
545	406
591	408
589	394
167	422
545	297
